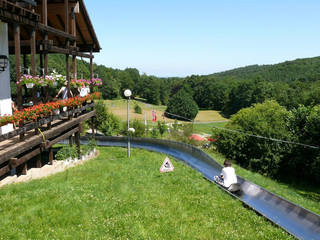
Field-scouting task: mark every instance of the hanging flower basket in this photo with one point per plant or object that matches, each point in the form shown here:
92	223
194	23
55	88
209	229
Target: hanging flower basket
29	85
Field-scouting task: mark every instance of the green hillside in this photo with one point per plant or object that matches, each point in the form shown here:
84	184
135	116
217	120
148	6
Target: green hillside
305	69
290	83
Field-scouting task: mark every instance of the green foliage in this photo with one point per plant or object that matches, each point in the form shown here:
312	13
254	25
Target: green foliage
290	83
154	132
150	89
137	109
182	104
105	121
304	123
138	127
101	113
268	120
67	152
92	144
273	158
162	127
111	125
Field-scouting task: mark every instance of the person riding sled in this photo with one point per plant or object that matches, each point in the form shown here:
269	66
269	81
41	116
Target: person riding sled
228	175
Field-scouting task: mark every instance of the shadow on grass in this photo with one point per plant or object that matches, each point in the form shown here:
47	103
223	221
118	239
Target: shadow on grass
304	188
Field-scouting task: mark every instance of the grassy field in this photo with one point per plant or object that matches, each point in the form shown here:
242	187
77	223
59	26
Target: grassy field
303	194
206	128
113	197
119	108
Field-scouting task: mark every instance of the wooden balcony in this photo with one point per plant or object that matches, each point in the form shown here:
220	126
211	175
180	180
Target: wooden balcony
29	141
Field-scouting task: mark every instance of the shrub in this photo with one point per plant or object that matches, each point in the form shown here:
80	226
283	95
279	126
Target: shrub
85	149
111	125
268	119
92	144
101	113
137	109
162	127
304	122
182	105
67	152
154	132
138	127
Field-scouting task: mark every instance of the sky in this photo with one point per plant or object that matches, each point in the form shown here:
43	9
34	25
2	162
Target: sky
178	38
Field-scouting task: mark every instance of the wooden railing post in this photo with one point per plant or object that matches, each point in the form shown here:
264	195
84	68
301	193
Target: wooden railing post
77	140
38	161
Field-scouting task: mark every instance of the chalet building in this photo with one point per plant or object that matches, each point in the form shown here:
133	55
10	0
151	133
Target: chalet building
41	27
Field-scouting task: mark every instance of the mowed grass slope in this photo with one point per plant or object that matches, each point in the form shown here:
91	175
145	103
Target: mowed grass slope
113	197
298	192
119	108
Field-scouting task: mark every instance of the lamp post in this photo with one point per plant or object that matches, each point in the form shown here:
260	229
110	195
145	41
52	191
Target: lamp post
127	94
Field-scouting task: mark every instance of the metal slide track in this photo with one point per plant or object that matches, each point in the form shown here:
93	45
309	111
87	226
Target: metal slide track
296	220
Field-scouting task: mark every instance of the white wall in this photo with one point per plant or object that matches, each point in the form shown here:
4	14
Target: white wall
5	91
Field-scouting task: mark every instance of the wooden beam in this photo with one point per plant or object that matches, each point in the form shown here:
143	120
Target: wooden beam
4	170
62	137
56	37
33	52
38	161
91	71
33	63
50	156
74	33
45	56
45	38
18	64
44	12
87	21
70	141
74	67
56	32
83	55
80	33
92	128
12	13
66	15
22	169
16	162
77	140
55	49
22	43
68	74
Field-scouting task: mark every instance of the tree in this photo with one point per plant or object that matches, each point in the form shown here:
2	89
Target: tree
182	105
151	89
267	119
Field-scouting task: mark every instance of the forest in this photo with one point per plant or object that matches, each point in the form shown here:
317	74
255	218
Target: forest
290	84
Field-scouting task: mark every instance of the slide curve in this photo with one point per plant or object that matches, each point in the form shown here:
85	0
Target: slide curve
296	220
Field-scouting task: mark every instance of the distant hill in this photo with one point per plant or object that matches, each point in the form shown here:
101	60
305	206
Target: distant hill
305	69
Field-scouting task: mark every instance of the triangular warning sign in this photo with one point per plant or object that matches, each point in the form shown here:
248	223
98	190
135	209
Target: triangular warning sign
166	166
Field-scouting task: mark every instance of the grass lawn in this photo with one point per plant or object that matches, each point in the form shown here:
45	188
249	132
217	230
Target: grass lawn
113	197
303	194
209	116
207	127
119	108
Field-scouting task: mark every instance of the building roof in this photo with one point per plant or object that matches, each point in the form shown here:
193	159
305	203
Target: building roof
86	37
